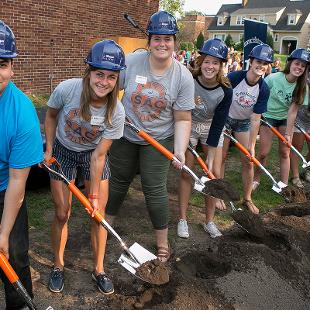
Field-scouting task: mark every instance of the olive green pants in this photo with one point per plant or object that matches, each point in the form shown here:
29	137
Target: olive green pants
126	159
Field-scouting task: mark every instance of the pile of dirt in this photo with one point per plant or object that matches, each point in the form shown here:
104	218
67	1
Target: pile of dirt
154	272
222	189
250	222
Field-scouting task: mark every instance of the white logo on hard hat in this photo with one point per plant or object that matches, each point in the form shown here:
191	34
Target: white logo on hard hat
108	57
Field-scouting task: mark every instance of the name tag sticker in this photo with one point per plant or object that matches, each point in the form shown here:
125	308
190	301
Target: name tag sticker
96	120
141	79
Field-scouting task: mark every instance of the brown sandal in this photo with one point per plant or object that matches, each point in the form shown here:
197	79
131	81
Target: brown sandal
250	205
163	254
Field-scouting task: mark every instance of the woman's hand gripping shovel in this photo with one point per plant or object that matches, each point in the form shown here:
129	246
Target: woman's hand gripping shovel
202	185
134	256
277	186
305	164
307	136
17	284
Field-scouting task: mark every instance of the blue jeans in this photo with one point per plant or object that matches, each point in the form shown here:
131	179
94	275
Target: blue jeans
19	259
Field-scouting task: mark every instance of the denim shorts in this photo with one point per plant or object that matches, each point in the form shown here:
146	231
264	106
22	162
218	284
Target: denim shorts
237	125
72	161
200	132
275	122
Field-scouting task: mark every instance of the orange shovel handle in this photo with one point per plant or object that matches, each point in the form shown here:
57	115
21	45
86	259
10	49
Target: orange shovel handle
247	153
156	144
84	201
281	137
205	168
7	269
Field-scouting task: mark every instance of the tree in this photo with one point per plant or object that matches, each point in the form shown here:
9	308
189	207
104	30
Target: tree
199	41
239	45
175	7
194	12
229	41
269	39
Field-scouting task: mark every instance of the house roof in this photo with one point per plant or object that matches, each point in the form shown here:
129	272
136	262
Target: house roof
253	11
264	7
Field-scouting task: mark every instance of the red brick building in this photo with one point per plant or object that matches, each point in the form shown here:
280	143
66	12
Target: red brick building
53	37
193	25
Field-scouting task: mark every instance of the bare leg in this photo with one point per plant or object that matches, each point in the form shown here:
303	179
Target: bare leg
284	153
224	155
247	173
62	201
298	142
265	143
185	186
99	233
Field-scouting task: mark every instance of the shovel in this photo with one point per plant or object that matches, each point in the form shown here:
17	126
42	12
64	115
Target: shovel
199	184
235	213
277	186
307	136
305	164
134	256
17	284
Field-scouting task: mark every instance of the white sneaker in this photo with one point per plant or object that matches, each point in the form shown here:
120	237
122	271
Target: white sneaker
183	229
212	230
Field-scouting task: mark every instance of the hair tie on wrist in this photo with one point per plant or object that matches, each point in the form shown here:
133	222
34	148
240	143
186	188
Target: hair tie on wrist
93	196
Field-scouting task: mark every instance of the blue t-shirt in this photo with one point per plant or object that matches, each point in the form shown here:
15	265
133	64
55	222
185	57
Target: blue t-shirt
21	143
247	98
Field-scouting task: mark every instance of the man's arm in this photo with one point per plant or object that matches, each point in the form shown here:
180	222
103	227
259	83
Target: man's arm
13	200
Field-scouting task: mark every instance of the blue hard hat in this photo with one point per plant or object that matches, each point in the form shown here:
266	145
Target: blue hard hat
107	55
262	52
162	22
216	48
7	42
301	54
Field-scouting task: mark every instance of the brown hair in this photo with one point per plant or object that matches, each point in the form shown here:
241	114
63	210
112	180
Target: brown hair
301	84
86	98
220	78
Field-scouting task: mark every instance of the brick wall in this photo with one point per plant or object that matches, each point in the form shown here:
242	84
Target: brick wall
53	37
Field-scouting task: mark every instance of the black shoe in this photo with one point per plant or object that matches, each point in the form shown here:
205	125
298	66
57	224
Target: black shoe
104	284
56	281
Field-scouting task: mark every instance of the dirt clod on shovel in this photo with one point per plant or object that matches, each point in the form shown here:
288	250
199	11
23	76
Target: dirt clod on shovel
222	189
294	194
154	271
251	222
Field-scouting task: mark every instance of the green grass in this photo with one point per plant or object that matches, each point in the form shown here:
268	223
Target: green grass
38	100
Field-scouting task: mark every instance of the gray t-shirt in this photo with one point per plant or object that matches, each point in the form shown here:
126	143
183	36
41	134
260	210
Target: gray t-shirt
72	131
149	100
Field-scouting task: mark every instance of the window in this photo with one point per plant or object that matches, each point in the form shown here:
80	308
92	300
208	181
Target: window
261	18
220	21
291	20
239	20
276	37
219	36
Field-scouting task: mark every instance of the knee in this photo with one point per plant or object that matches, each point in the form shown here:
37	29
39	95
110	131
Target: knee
62	216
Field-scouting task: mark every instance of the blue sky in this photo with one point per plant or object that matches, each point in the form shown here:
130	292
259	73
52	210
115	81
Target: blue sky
209	7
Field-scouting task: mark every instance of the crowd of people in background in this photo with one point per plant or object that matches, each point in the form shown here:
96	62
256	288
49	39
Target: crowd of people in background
175	97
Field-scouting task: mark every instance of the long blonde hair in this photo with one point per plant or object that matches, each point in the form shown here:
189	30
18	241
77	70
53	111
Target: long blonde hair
301	84
86	98
220	78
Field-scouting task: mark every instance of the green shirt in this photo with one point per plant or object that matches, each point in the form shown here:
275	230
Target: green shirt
280	98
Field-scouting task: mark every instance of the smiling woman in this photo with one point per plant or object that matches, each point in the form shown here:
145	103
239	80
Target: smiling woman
84	116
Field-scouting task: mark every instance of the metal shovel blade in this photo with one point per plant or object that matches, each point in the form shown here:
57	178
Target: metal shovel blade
306	165
142	254
278	187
